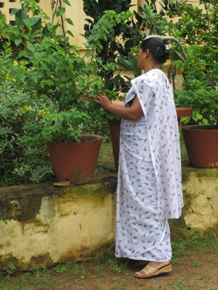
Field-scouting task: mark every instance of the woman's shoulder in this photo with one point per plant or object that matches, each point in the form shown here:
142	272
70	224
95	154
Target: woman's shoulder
155	74
142	78
151	77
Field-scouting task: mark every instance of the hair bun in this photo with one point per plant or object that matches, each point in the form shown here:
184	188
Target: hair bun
158	48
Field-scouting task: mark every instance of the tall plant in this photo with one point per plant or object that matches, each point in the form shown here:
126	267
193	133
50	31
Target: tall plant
113	33
197	29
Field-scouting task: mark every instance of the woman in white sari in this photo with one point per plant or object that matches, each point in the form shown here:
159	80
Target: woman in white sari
149	190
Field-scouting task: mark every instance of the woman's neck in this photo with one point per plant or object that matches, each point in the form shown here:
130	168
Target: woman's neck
151	66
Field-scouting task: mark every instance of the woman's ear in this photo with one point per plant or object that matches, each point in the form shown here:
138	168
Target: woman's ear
147	52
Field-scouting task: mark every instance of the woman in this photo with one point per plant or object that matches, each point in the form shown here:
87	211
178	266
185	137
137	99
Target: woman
149	190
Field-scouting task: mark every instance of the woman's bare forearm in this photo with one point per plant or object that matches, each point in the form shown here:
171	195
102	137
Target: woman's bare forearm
128	113
118	103
117	108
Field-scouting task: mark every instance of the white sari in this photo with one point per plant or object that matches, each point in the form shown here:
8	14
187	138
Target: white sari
149	190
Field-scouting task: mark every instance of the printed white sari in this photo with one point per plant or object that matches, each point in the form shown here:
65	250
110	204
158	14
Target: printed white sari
149	188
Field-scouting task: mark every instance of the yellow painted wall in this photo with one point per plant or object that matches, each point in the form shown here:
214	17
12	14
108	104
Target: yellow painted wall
6	6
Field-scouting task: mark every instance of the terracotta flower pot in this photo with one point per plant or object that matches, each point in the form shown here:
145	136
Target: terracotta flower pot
75	161
183	112
114	127
202	145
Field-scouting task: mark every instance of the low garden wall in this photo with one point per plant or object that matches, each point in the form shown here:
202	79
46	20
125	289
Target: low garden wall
41	225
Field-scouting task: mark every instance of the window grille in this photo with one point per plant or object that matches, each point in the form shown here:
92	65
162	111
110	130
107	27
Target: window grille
6	7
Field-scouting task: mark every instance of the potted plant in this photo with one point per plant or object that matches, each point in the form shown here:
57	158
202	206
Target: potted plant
198	28
55	71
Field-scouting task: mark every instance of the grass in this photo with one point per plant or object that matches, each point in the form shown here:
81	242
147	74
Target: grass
195	241
63	275
105	163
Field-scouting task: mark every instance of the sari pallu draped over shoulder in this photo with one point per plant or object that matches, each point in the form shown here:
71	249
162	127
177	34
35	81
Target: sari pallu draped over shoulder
156	98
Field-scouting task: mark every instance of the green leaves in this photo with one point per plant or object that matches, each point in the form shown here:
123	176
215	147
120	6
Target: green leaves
69	21
66	2
21	111
108	39
18	42
63	126
198	29
60	11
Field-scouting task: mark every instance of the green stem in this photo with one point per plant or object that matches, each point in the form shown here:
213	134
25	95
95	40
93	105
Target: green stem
63	29
211	46
53	13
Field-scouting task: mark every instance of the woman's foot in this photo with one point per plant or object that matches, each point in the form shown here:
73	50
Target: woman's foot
154	269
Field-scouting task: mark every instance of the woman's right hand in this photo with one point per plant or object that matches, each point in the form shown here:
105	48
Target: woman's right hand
103	100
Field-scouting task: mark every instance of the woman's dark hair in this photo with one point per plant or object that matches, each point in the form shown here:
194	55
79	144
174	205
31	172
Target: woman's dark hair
158	48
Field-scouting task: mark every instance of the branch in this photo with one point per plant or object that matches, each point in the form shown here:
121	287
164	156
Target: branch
53	13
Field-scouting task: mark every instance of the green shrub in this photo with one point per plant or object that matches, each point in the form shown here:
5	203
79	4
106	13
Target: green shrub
197	30
19	162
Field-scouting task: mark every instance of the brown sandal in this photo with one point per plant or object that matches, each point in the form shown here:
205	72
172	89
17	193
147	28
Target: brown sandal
149	271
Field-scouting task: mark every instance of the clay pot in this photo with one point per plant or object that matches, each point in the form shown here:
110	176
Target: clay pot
75	161
183	112
202	145
114	127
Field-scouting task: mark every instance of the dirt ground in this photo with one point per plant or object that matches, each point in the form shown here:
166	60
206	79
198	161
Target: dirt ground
194	270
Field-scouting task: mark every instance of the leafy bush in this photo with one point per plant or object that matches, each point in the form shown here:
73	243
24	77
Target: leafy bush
197	28
113	32
20	163
41	83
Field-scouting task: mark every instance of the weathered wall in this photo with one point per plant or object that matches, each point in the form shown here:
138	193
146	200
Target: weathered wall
42	225
200	189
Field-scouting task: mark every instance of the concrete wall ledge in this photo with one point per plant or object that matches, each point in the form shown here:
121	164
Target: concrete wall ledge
200	190
42	225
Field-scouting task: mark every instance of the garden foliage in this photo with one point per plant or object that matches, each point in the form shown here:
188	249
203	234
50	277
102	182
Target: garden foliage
113	34
44	80
20	162
41	84
197	30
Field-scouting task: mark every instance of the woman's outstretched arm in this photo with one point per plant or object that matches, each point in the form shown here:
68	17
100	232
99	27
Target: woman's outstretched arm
128	113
